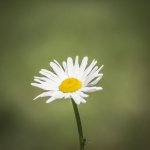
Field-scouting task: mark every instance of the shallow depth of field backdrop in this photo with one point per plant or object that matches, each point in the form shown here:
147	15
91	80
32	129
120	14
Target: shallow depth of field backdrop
33	33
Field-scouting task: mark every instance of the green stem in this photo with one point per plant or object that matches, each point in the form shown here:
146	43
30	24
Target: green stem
82	140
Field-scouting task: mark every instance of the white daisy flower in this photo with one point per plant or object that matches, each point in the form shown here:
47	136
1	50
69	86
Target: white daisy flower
69	81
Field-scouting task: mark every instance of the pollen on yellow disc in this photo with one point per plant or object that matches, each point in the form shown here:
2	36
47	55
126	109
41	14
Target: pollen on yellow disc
70	85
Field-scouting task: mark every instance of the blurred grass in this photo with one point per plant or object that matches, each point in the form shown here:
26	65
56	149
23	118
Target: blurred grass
113	32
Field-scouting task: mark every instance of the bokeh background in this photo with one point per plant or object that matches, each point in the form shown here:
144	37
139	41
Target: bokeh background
116	33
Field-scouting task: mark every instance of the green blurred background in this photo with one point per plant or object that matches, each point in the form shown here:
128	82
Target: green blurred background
116	33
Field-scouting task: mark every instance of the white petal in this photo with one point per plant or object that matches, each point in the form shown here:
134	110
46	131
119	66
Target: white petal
50	75
50	99
76	66
90	78
65	67
67	95
49	93
46	80
45	87
82	100
55	93
95	81
94	70
100	68
59	96
77	98
88	70
90	89
70	66
45	83
60	73
37	80
49	72
93	74
86	79
62	70
81	94
59	65
82	67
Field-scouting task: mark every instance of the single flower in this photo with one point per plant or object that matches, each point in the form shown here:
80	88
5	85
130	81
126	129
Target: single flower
69	81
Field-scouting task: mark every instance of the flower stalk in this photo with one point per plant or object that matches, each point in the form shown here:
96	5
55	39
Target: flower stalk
82	140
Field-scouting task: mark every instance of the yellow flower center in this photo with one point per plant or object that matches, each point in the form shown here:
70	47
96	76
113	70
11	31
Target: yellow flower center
70	85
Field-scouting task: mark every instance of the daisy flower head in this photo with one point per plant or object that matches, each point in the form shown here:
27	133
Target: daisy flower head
70	80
